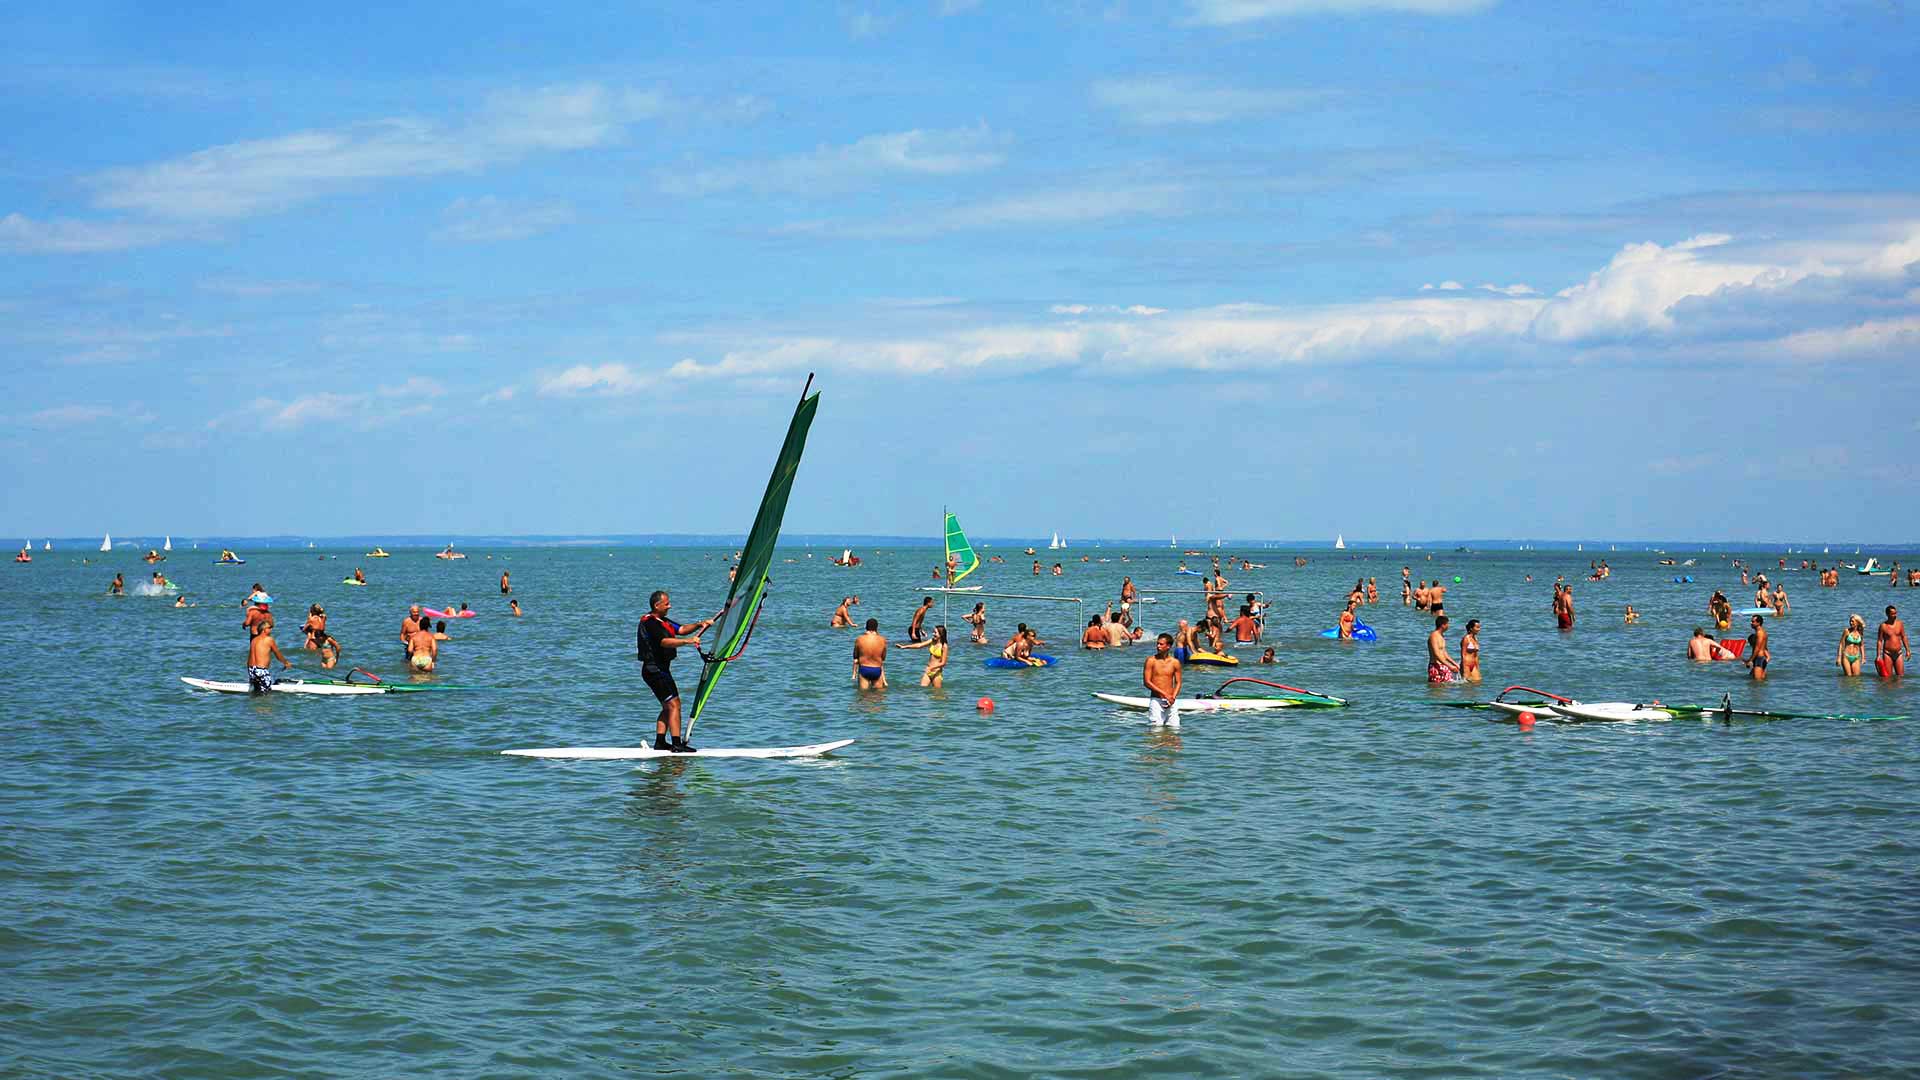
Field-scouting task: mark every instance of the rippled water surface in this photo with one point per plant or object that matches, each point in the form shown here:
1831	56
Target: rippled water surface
204	886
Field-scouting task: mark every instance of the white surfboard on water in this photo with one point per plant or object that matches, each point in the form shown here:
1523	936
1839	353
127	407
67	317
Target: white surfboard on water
290	686
1613	712
1204	705
632	753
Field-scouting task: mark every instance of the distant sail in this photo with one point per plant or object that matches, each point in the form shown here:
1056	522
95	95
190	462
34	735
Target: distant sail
961	560
1340	542
168	546
1055	545
106	542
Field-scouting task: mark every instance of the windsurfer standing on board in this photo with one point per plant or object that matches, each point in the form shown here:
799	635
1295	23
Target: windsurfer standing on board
658	641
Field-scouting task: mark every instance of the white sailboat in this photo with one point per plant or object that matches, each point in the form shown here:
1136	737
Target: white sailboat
1173	540
106	542
1339	542
1055	544
48	546
168	546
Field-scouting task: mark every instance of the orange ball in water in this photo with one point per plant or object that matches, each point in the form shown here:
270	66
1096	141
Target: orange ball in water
985	704
1526	721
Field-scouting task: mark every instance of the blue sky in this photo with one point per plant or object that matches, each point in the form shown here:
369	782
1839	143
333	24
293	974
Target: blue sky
1392	268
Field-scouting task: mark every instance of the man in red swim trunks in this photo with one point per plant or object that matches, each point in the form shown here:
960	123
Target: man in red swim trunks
1891	655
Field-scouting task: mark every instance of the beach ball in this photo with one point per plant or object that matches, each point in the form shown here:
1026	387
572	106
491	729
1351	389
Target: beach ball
1456	579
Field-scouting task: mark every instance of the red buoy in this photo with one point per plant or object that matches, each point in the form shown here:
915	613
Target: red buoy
985	704
1526	721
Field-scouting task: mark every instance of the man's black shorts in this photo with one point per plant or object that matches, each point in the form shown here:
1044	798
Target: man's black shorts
660	681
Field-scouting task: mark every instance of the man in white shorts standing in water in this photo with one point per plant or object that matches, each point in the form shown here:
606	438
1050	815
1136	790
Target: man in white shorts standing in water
1162	676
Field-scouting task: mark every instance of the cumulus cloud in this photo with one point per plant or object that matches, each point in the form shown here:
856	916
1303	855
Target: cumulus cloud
1165	101
1657	296
916	152
1228	12
488	219
607	379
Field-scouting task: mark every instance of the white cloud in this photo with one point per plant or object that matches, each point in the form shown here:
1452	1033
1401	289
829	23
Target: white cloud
1662	297
1164	101
322	406
1105	309
1227	12
927	153
609	379
416	386
1637	290
68	236
1062	206
70	415
1871	338
265	175
488	219
505	393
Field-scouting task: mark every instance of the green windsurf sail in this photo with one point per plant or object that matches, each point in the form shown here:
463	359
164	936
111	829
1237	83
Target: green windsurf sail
734	625
961	560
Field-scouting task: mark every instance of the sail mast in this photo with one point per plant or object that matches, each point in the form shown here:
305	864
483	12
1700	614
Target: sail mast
734	625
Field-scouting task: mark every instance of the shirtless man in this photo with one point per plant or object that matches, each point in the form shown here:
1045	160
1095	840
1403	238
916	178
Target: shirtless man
916	629
119	586
422	649
1162	678
1758	652
1128	592
842	618
1893	648
408	626
1094	636
1441	666
1117	633
870	658
1761	598
977	618
515	606
506	586
1183	641
1565	615
262	651
1420	596
1703	648
1436	597
1246	630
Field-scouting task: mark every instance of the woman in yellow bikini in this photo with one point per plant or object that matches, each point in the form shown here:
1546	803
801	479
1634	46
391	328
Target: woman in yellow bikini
936	647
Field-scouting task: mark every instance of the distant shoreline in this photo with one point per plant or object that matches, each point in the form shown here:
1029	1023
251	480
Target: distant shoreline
1595	549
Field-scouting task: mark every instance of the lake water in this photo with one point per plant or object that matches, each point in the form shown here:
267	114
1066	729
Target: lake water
212	886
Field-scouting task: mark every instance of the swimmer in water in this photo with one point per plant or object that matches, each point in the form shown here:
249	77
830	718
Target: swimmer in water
977	618
870	658
842	618
515	605
936	647
1470	652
